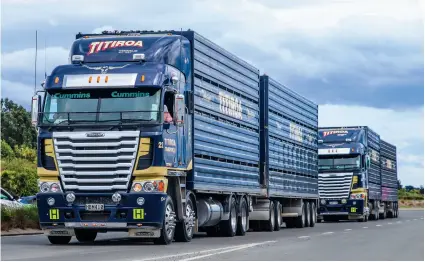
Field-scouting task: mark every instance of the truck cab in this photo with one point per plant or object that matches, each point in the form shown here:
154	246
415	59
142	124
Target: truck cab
343	164
111	130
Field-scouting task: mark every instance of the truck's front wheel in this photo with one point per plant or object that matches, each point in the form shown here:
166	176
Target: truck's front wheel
63	240
85	236
184	229
168	225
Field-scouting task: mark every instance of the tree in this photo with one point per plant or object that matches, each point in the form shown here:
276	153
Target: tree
16	128
421	190
409	188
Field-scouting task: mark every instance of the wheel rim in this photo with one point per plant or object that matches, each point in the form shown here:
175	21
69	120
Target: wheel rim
272	216
169	221
244	217
233	218
190	220
314	214
303	215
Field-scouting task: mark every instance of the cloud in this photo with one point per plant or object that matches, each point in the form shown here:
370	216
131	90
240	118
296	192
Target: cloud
404	129
336	52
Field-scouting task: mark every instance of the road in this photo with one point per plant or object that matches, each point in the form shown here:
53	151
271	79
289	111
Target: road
390	239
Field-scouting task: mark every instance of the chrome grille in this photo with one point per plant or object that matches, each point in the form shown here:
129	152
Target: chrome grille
334	185
96	163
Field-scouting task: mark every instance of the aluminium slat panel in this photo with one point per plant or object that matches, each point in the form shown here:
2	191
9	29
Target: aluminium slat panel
292	143
226	121
389	194
374	191
388	165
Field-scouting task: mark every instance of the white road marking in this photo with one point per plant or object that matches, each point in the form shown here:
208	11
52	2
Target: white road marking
389	223
408	220
398	222
378	225
228	250
422	218
348	229
327	233
365	227
302	237
205	251
414	219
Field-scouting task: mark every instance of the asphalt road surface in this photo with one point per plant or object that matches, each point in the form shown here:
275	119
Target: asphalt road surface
399	238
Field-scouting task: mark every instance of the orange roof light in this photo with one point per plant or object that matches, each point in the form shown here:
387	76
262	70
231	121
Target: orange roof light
106	79
90	79
142	78
98	79
56	80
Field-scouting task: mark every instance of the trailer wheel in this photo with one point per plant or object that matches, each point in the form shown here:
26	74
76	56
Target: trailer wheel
376	211
228	227
270	224
168	225
307	214
62	240
396	208
313	218
184	229
85	236
278	215
243	220
300	221
383	215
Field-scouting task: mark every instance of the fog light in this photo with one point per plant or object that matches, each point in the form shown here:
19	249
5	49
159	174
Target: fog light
70	197
116	197
344	201
51	201
323	202
140	201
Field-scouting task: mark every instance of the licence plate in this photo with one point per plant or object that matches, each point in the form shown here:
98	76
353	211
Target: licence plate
333	202
95	207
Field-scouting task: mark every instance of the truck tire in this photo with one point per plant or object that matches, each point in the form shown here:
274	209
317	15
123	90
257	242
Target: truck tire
85	235
270	224
278	215
376	212
300	221
168	225
307	214
383	215
62	240
313	214
228	227
184	229
243	219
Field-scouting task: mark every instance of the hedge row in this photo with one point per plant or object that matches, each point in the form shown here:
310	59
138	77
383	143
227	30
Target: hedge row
23	218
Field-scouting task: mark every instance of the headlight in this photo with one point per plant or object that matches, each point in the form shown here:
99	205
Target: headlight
149	186
49	187
44	187
70	197
357	196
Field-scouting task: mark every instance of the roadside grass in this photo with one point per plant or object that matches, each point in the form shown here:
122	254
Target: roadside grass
407	203
25	217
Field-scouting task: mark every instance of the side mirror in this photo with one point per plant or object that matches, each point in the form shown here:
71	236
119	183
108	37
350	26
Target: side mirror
35	109
179	109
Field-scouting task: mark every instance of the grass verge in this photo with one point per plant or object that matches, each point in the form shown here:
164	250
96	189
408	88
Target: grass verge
25	217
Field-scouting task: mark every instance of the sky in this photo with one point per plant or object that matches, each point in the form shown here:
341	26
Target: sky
362	61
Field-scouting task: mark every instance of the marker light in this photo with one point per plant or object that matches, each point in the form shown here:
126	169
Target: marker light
137	187
98	79
140	57
56	80
90	79
106	79
77	58
142	78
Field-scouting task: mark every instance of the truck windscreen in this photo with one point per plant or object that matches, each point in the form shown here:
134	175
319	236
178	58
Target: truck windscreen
108	105
338	162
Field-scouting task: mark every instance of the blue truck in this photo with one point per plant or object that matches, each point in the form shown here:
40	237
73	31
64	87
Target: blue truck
357	175
164	134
